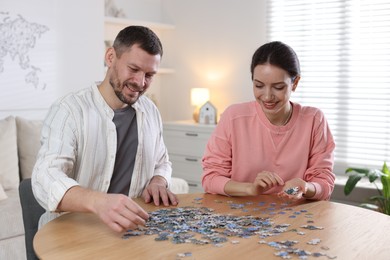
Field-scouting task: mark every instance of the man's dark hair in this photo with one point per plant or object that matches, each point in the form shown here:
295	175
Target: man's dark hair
142	36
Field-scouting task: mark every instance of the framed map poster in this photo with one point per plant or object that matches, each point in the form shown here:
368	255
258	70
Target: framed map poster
28	67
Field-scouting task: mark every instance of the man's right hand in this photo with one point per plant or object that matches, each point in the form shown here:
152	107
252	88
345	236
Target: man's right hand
120	212
117	211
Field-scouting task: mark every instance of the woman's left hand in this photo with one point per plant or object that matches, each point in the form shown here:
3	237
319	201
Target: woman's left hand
293	189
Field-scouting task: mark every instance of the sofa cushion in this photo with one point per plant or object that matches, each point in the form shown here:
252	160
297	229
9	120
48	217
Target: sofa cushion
179	186
28	140
9	170
11	216
3	196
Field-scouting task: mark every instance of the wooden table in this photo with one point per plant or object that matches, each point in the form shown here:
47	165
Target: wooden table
348	232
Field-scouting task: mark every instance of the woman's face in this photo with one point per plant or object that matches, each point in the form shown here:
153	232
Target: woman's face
272	87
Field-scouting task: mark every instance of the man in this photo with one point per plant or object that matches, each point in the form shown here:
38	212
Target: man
103	145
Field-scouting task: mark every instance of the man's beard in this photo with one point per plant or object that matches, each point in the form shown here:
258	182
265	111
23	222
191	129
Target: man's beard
118	87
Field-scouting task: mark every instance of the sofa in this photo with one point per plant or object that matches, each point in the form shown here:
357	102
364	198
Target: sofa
19	145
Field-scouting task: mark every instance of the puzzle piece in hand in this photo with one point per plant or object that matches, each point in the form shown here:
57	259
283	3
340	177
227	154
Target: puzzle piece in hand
292	191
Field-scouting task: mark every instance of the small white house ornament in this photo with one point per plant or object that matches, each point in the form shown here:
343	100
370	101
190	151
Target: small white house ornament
207	114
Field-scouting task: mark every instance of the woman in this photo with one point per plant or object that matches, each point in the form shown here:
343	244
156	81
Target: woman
271	145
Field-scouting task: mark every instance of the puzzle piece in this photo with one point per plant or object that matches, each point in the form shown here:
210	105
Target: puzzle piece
292	191
201	226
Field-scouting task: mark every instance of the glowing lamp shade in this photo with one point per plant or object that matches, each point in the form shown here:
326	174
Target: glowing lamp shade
199	96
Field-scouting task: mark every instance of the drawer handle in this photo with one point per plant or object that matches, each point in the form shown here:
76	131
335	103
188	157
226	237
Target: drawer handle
192	185
191	159
192	134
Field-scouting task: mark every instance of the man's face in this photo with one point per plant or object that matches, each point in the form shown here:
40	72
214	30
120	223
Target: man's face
132	73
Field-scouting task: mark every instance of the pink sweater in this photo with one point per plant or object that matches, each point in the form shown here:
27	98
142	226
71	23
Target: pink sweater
245	143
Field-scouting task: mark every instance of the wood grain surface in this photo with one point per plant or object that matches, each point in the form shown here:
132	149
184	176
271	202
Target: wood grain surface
348	232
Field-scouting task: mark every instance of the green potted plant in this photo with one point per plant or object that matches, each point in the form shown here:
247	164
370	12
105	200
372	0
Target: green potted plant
381	202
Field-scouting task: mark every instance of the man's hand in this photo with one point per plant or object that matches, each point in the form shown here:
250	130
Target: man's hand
120	212
157	191
117	211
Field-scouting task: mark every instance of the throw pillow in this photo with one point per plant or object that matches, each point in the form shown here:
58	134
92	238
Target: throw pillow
29	134
3	196
9	168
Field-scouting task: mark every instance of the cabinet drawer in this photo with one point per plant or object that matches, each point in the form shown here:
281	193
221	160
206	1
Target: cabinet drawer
190	170
186	142
195	187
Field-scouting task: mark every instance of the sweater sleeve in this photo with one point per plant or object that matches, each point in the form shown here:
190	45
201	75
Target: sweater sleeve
320	163
217	159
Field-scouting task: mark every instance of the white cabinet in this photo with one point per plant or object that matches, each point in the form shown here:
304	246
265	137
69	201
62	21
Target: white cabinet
186	142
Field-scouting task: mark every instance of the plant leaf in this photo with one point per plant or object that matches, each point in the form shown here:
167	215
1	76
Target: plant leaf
386	186
369	206
385	179
385	169
374	174
377	198
365	171
351	182
382	201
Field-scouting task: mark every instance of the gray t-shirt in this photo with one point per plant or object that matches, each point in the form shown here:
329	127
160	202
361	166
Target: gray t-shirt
125	121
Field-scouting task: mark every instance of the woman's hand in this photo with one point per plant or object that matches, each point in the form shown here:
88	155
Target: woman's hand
294	189
265	181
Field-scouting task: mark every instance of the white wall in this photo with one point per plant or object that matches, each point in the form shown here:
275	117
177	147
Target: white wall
68	56
148	10
211	47
81	50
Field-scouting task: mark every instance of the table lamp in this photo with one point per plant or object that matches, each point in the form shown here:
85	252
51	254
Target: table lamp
199	96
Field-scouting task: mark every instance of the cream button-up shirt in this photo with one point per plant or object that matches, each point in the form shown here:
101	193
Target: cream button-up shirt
79	147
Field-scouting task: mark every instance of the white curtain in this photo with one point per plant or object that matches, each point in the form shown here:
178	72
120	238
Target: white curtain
344	51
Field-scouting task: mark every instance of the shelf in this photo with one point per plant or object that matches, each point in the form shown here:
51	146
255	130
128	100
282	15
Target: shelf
123	22
165	71
160	71
112	26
